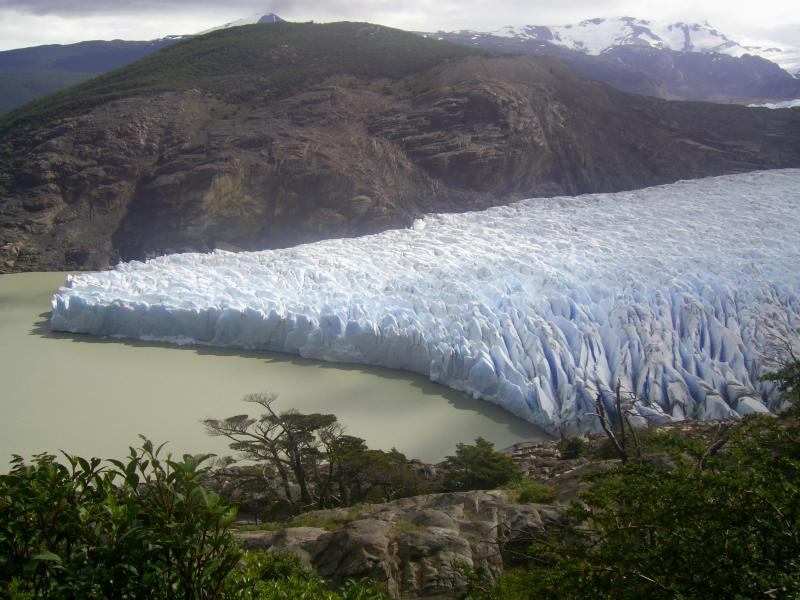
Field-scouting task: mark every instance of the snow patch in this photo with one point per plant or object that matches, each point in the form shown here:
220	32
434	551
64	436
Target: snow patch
784	104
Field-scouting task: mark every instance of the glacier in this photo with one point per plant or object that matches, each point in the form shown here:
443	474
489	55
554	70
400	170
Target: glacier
785	104
682	293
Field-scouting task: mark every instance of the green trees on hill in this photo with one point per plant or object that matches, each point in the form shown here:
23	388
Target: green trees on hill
253	64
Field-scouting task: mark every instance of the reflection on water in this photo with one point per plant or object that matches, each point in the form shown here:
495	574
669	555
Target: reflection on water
92	395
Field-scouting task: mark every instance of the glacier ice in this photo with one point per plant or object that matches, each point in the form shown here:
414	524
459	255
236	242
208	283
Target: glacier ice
678	291
784	104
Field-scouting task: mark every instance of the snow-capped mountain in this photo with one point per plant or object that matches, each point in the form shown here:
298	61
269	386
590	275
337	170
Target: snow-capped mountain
596	36
673	61
270	18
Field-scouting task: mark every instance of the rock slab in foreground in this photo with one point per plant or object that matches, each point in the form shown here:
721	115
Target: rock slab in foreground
418	546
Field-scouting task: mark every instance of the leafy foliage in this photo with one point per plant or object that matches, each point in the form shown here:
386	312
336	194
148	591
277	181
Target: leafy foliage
788	379
254	63
145	527
572	447
719	525
478	467
280	575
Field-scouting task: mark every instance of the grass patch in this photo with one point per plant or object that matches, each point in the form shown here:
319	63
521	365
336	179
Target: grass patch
327	520
530	491
405	526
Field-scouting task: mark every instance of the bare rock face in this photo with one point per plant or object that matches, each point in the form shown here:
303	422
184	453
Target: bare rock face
419	546
345	156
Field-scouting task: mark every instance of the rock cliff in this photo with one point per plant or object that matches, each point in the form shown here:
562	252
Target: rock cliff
342	154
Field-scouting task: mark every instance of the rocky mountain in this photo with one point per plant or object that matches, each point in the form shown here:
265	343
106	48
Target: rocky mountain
674	61
596	36
258	137
30	73
258	19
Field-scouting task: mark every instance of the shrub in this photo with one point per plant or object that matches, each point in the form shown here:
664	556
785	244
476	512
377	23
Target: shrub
572	447
145	527
724	526
281	575
311	454
530	491
478	467
141	528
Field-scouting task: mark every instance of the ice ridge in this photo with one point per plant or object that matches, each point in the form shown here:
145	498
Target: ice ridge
680	292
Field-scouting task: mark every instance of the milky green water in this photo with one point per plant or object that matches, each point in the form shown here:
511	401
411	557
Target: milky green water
92	396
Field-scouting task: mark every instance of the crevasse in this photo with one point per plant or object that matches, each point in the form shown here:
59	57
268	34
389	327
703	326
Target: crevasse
682	292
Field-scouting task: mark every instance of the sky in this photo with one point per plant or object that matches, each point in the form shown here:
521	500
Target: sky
33	22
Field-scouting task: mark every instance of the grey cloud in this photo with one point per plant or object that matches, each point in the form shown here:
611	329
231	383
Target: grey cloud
420	15
68	8
507	11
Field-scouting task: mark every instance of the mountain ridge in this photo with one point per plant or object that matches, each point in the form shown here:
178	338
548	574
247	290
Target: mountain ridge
312	143
30	73
595	36
627	55
732	77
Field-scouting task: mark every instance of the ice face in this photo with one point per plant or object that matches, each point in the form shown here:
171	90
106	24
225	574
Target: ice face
678	292
784	104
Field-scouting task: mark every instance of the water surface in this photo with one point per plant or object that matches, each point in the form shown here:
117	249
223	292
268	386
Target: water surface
91	395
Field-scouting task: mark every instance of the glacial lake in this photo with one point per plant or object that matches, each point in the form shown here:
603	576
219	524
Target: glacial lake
93	396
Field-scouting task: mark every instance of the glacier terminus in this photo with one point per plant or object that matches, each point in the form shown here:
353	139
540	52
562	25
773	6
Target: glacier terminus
684	293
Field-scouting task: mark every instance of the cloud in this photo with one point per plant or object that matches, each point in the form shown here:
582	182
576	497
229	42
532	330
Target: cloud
472	11
75	8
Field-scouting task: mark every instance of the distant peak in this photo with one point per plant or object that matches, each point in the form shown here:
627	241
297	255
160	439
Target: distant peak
270	18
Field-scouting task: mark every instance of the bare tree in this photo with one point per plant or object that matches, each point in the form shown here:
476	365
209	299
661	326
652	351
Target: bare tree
619	439
288	441
318	464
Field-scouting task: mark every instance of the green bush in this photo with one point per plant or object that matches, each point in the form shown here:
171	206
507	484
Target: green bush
145	527
572	447
530	491
726	526
478	467
281	576
317	464
788	379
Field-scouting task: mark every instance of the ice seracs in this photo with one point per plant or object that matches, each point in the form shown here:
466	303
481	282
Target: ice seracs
679	292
